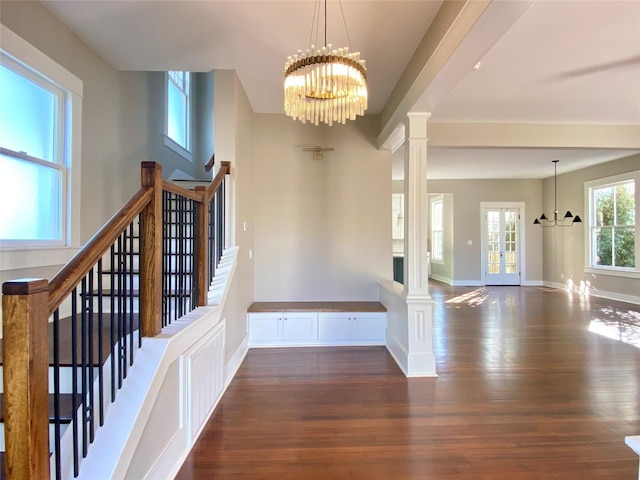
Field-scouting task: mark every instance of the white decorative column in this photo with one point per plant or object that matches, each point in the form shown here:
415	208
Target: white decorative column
420	357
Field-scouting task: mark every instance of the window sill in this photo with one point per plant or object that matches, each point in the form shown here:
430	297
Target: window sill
179	149
22	257
612	272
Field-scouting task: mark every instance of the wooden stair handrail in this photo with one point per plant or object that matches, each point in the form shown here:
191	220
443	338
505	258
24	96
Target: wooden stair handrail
209	165
171	187
73	272
209	190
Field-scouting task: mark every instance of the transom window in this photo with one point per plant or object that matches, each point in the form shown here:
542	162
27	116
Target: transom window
613	230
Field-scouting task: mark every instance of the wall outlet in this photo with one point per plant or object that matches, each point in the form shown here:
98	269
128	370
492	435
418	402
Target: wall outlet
469	242
244	226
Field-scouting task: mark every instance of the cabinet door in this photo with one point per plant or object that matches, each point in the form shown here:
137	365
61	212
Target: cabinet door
334	326
369	326
264	327
300	326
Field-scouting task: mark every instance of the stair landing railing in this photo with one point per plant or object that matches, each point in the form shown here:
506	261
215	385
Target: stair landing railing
150	264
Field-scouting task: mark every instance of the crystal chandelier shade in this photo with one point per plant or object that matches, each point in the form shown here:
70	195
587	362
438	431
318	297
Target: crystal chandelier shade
325	85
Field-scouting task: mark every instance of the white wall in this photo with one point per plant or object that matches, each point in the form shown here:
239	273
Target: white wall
322	227
234	143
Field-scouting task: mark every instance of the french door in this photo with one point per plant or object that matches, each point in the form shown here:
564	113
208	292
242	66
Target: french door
501	246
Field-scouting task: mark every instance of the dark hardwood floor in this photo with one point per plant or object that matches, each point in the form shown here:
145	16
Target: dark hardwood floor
527	389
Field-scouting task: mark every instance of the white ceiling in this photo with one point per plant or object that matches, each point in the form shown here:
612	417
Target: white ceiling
253	37
575	62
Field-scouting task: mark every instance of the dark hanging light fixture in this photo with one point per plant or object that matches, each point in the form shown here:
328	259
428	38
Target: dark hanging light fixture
568	219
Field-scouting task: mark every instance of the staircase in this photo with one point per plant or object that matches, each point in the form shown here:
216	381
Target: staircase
146	269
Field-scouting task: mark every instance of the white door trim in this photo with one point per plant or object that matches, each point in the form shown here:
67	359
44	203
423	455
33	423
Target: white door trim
521	243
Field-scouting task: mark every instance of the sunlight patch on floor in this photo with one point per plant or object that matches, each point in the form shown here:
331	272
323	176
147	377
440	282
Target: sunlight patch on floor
473	299
621	325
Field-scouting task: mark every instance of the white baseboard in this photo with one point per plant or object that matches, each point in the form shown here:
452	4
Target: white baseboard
232	366
398	352
480	283
468	283
442	279
620	297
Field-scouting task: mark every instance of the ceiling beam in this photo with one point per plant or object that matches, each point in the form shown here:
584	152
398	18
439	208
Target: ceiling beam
451	24
533	135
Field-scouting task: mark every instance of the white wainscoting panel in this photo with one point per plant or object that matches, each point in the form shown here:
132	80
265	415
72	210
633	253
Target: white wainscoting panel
205	374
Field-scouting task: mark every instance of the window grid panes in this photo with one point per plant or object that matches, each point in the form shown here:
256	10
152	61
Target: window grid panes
613	232
437	252
510	242
493	242
178	93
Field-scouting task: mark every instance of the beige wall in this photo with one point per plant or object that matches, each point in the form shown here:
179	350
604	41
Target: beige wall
462	222
467	195
322	227
564	248
234	143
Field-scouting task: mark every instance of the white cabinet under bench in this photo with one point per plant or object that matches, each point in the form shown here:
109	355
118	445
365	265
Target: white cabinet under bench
280	324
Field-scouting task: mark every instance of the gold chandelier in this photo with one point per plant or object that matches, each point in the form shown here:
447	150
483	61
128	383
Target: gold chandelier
325	85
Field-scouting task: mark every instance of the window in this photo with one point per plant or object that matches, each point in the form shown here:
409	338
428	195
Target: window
613	231
436	230
178	125
397	223
40	111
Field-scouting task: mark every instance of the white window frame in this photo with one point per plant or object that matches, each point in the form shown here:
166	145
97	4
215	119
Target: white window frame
27	254
591	223
436	200
183	151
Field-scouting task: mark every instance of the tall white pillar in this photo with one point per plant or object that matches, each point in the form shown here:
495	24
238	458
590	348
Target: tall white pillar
420	357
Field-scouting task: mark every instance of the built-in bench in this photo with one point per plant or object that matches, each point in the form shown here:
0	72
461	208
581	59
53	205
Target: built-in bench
633	443
278	324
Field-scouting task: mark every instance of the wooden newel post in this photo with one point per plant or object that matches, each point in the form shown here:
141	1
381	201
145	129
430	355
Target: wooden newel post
151	253
202	248
25	313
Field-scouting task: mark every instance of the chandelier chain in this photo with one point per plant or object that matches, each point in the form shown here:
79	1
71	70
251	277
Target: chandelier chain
345	25
325	23
314	22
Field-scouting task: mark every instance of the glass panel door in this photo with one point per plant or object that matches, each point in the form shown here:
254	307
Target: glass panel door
502	246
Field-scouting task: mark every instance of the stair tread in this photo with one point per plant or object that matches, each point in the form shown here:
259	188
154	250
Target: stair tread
66	407
65	338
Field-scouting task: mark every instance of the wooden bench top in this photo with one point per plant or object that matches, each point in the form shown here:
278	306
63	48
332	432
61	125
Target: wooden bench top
264	307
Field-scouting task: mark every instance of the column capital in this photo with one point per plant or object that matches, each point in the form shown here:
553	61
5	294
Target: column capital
416	125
